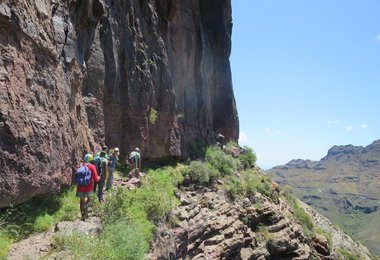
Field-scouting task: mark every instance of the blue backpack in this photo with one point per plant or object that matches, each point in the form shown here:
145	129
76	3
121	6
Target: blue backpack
83	176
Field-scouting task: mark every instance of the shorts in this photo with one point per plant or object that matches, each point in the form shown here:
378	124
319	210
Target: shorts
82	194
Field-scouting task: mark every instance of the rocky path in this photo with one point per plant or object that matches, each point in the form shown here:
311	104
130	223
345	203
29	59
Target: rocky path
39	245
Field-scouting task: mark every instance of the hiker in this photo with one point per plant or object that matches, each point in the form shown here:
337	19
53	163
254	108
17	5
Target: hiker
101	166
112	159
104	149
135	160
220	141
85	177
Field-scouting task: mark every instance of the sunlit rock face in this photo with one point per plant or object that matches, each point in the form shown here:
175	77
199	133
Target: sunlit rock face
77	74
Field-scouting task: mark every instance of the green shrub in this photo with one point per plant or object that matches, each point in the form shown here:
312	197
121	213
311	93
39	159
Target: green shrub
303	218
120	240
155	198
233	186
5	244
152	116
223	162
202	172
43	223
248	158
253	181
197	149
247	184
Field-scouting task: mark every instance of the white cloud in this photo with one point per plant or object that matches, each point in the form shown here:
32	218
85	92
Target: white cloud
242	137
349	128
332	122
363	125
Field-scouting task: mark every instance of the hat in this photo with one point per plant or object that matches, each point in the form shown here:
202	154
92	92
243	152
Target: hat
116	149
88	158
137	149
105	147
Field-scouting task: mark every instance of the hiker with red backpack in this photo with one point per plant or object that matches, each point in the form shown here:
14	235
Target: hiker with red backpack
85	177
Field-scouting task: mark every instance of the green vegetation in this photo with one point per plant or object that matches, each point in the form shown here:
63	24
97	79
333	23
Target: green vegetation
347	255
202	172
5	244
223	162
303	218
248	158
249	182
197	149
152	116
39	214
265	235
128	218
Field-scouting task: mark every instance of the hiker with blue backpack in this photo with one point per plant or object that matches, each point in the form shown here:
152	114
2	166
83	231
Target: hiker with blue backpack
85	177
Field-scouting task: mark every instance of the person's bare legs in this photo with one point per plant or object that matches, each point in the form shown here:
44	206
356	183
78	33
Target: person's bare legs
83	208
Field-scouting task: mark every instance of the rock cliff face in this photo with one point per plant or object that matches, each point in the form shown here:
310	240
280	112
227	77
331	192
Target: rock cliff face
79	73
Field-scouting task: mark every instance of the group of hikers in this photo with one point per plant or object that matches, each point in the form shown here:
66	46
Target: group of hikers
96	174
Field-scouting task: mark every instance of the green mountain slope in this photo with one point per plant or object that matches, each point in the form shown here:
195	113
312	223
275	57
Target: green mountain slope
344	186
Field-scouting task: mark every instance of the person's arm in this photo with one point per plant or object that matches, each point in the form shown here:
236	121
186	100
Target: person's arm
105	163
94	173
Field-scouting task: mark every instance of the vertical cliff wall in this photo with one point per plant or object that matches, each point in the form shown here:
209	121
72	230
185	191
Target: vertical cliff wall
136	73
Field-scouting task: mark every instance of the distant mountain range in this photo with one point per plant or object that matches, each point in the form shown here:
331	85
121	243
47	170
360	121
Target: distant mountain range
344	186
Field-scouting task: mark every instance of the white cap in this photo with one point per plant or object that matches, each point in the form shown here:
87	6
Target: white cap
116	149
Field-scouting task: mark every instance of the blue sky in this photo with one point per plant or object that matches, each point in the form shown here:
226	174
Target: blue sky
306	76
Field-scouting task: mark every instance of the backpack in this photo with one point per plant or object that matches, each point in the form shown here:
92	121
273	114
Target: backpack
132	158
83	176
98	165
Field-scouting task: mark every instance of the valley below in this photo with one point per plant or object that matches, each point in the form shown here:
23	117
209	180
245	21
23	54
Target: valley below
343	186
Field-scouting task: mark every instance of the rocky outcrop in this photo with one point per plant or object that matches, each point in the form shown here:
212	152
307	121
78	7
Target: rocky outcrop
339	239
207	225
343	186
75	74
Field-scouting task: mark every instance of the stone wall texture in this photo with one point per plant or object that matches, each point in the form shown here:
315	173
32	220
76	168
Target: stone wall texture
75	74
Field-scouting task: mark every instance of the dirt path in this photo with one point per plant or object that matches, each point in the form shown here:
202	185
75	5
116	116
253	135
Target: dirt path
38	245
33	247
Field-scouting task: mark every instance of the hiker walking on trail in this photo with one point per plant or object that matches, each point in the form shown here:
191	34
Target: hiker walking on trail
85	177
104	149
112	159
135	159
101	165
